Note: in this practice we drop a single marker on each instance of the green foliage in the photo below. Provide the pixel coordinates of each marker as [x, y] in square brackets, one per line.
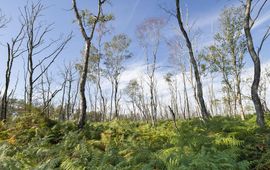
[32, 142]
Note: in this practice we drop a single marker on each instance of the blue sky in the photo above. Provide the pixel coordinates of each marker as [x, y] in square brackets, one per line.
[128, 15]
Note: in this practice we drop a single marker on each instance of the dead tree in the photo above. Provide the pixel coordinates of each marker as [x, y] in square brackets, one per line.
[65, 103]
[61, 111]
[36, 32]
[74, 98]
[70, 80]
[49, 100]
[46, 87]
[14, 50]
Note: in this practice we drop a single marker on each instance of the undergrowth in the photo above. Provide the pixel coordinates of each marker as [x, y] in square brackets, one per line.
[32, 142]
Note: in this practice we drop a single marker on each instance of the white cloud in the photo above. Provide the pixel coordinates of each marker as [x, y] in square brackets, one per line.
[137, 71]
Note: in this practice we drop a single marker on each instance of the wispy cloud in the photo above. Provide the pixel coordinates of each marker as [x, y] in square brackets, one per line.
[137, 71]
[133, 10]
[208, 20]
[261, 21]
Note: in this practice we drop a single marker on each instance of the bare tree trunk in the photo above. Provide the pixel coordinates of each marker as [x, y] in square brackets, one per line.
[50, 98]
[237, 92]
[116, 114]
[186, 98]
[48, 94]
[25, 75]
[194, 88]
[182, 104]
[75, 98]
[102, 98]
[262, 93]
[35, 35]
[61, 112]
[227, 98]
[151, 30]
[88, 39]
[101, 33]
[203, 109]
[152, 104]
[92, 106]
[96, 99]
[176, 105]
[4, 103]
[43, 91]
[111, 106]
[70, 80]
[212, 98]
[83, 104]
[174, 117]
[30, 81]
[14, 50]
[239, 97]
[257, 67]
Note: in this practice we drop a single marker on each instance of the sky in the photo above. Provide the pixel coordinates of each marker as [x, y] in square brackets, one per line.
[128, 15]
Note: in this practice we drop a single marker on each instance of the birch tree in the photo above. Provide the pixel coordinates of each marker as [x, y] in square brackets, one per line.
[87, 23]
[255, 55]
[205, 114]
[149, 36]
[116, 53]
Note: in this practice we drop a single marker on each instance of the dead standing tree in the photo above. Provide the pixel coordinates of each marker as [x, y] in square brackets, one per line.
[36, 31]
[68, 75]
[87, 21]
[70, 80]
[3, 23]
[14, 50]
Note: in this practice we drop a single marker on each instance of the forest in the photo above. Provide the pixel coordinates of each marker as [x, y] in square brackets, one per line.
[155, 85]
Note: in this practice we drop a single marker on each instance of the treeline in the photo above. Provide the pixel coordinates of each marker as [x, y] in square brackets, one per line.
[82, 95]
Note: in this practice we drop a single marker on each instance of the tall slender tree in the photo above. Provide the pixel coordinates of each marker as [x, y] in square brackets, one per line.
[102, 30]
[179, 60]
[36, 31]
[255, 55]
[149, 35]
[87, 21]
[14, 50]
[116, 53]
[226, 57]
[205, 114]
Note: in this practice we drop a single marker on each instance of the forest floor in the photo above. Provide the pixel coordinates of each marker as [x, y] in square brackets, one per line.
[31, 142]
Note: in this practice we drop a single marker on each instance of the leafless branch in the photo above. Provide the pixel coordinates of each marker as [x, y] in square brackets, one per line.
[258, 13]
[54, 55]
[79, 19]
[3, 20]
[265, 37]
